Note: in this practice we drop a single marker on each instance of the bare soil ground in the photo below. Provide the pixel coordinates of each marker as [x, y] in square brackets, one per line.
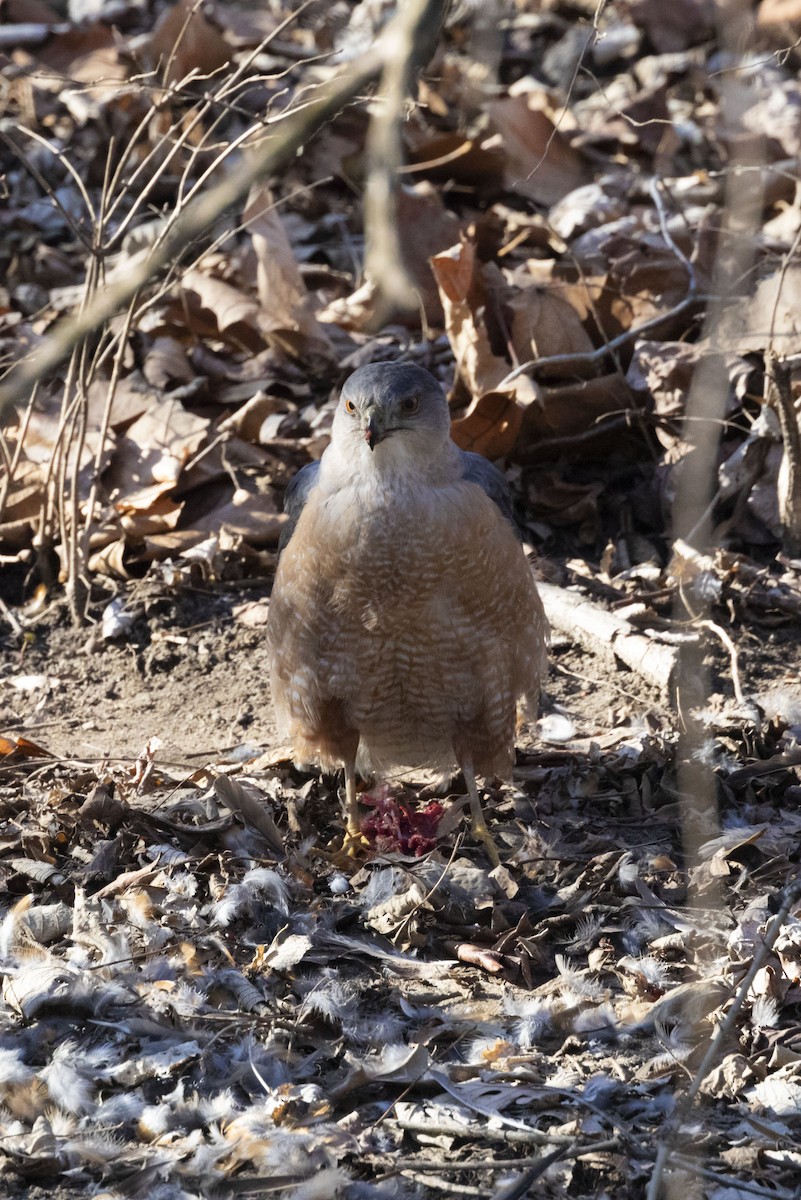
[193, 675]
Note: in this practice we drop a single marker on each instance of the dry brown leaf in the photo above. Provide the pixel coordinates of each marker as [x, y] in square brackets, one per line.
[459, 278]
[110, 559]
[586, 208]
[215, 509]
[543, 323]
[148, 511]
[778, 12]
[491, 424]
[245, 25]
[248, 420]
[641, 124]
[425, 228]
[591, 298]
[452, 157]
[729, 1078]
[231, 454]
[674, 26]
[253, 806]
[480, 304]
[24, 499]
[89, 55]
[165, 363]
[16, 535]
[132, 398]
[25, 12]
[184, 42]
[20, 748]
[538, 162]
[213, 307]
[647, 283]
[155, 449]
[284, 302]
[252, 614]
[560, 503]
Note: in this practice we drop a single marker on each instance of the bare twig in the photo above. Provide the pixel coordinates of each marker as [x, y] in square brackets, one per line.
[566, 1150]
[105, 421]
[25, 161]
[178, 136]
[720, 632]
[593, 357]
[11, 462]
[456, 1189]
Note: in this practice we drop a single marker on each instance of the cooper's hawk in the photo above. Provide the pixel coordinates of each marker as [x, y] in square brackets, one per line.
[404, 623]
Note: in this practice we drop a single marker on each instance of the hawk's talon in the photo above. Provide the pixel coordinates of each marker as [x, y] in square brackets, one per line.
[483, 834]
[354, 843]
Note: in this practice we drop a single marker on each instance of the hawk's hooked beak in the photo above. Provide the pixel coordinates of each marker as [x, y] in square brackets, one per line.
[374, 432]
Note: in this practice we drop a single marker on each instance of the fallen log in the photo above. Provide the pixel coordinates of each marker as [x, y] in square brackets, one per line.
[610, 636]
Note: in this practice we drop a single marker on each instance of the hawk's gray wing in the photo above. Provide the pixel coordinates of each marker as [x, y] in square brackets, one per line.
[295, 497]
[477, 469]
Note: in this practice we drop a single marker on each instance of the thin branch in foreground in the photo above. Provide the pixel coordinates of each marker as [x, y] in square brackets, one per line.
[414, 35]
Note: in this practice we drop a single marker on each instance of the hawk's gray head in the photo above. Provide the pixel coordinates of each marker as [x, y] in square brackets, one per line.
[391, 412]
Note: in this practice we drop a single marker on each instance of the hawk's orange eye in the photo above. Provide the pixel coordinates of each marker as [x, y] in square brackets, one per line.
[409, 404]
[350, 407]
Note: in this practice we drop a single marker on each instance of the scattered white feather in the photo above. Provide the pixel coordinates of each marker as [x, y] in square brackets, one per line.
[157, 1119]
[341, 1003]
[652, 969]
[69, 1088]
[220, 1107]
[122, 1108]
[12, 925]
[601, 1090]
[579, 985]
[159, 968]
[382, 886]
[330, 998]
[182, 885]
[323, 1185]
[588, 927]
[598, 1019]
[644, 929]
[95, 1149]
[766, 1012]
[534, 1024]
[389, 1189]
[12, 1068]
[376, 1029]
[257, 884]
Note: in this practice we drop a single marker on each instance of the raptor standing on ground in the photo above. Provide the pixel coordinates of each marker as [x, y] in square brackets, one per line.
[404, 623]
